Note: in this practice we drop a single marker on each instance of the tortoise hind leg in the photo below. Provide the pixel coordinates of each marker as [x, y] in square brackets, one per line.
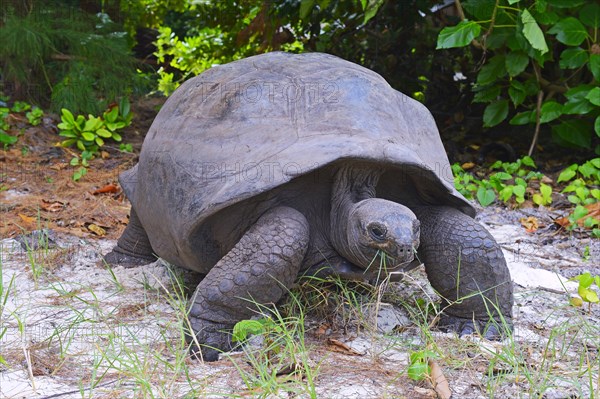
[467, 268]
[257, 270]
[133, 247]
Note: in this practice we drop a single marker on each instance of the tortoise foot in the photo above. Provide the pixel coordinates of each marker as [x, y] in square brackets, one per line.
[116, 257]
[210, 339]
[491, 329]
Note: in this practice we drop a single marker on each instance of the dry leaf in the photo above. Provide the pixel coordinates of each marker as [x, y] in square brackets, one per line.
[104, 154]
[593, 211]
[467, 165]
[546, 180]
[425, 392]
[51, 206]
[99, 231]
[109, 188]
[338, 346]
[530, 223]
[27, 219]
[440, 383]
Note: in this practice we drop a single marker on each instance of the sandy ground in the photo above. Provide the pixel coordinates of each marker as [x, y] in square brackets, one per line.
[72, 328]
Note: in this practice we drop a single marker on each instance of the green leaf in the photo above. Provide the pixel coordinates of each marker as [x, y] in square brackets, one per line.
[502, 176]
[588, 295]
[597, 126]
[550, 111]
[112, 115]
[87, 136]
[579, 212]
[519, 191]
[67, 116]
[99, 141]
[578, 103]
[506, 193]
[124, 107]
[569, 31]
[594, 96]
[246, 327]
[7, 139]
[590, 15]
[574, 132]
[74, 161]
[372, 8]
[485, 196]
[516, 62]
[116, 136]
[533, 33]
[306, 7]
[418, 371]
[573, 58]
[517, 96]
[68, 133]
[522, 118]
[103, 133]
[594, 65]
[528, 161]
[486, 94]
[458, 36]
[492, 71]
[68, 143]
[92, 124]
[566, 175]
[495, 113]
[546, 190]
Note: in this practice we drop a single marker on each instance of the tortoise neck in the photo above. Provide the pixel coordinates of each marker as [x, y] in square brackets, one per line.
[351, 185]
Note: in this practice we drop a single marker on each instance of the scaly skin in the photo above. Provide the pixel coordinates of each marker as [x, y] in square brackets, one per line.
[133, 247]
[462, 258]
[261, 266]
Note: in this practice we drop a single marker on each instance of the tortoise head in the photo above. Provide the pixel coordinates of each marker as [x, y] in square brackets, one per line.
[377, 225]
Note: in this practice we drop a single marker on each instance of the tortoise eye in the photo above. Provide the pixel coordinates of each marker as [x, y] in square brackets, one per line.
[377, 232]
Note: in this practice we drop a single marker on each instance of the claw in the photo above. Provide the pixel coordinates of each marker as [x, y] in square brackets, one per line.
[213, 339]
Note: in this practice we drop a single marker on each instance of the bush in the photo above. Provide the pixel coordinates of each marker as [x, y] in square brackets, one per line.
[82, 59]
[541, 64]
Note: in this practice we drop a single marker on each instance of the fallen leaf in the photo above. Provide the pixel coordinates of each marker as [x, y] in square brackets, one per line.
[99, 231]
[109, 188]
[52, 206]
[439, 381]
[546, 180]
[593, 211]
[425, 392]
[467, 165]
[530, 223]
[104, 154]
[27, 219]
[338, 346]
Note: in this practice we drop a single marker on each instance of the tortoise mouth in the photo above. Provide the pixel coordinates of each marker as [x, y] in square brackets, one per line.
[384, 262]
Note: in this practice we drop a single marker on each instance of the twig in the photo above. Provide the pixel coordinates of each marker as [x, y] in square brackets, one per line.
[538, 111]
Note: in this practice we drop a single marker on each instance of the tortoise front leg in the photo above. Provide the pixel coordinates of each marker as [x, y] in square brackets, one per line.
[133, 247]
[467, 268]
[259, 268]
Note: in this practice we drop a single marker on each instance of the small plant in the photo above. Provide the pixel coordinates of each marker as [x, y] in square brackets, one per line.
[582, 178]
[88, 135]
[34, 117]
[509, 183]
[583, 191]
[419, 369]
[586, 294]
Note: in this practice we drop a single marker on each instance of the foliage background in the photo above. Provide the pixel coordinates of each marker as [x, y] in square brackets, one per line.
[508, 71]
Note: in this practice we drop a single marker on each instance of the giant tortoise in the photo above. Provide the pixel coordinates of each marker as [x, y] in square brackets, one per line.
[282, 164]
